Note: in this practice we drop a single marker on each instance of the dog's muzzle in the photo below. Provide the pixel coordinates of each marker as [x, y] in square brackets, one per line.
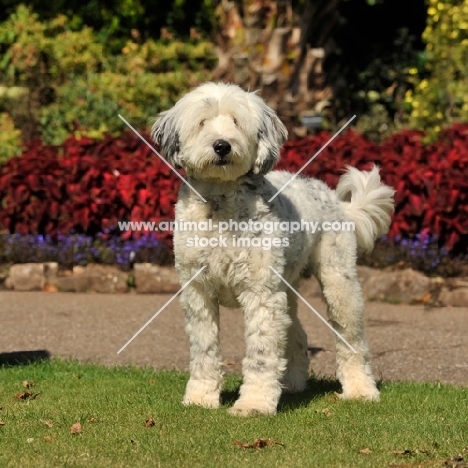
[222, 148]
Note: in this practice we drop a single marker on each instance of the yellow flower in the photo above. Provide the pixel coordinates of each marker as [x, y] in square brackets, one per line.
[424, 84]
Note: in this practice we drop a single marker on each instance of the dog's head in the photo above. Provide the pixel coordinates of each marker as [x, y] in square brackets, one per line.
[219, 131]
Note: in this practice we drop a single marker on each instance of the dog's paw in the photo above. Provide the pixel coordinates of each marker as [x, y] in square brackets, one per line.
[370, 394]
[202, 399]
[204, 393]
[254, 408]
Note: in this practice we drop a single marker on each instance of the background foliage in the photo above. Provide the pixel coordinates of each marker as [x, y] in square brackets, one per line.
[67, 69]
[69, 83]
[441, 94]
[113, 20]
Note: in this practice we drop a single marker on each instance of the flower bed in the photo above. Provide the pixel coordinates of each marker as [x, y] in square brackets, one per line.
[87, 186]
[430, 180]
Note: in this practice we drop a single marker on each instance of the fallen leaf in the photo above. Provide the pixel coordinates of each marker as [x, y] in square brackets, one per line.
[1, 423]
[410, 452]
[257, 443]
[50, 288]
[49, 438]
[30, 440]
[150, 422]
[28, 383]
[325, 412]
[91, 420]
[152, 381]
[27, 396]
[47, 423]
[365, 451]
[332, 399]
[76, 428]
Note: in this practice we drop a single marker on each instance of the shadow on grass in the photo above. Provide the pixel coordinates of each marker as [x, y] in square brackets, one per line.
[19, 358]
[316, 388]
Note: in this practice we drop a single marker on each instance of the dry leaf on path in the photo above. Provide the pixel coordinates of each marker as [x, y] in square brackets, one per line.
[366, 451]
[76, 428]
[257, 443]
[150, 422]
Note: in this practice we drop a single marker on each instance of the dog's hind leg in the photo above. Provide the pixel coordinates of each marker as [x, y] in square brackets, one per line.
[266, 328]
[297, 370]
[202, 325]
[342, 293]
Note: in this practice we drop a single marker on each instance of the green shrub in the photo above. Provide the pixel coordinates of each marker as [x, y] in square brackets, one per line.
[89, 105]
[76, 86]
[10, 138]
[376, 124]
[441, 96]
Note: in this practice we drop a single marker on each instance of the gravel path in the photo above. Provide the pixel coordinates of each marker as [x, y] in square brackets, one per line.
[406, 342]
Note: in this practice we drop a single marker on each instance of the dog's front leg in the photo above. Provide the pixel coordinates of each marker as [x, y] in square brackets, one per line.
[202, 325]
[266, 328]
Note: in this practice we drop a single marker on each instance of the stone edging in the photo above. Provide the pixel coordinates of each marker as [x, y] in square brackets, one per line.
[398, 286]
[146, 277]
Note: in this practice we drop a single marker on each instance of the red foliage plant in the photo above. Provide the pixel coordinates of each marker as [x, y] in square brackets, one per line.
[430, 180]
[88, 186]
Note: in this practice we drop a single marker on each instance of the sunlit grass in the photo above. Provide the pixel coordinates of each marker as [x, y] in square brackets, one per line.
[424, 422]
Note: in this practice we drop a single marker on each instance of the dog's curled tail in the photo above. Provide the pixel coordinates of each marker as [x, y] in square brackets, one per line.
[368, 203]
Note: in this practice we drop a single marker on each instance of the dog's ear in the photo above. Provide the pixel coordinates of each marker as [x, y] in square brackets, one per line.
[271, 136]
[165, 133]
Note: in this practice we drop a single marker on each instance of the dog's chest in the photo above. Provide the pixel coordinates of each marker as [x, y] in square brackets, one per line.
[214, 232]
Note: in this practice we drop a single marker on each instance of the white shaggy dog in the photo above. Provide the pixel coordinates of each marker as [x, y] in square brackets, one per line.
[228, 140]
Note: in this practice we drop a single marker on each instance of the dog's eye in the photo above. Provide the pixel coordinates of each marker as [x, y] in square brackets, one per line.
[202, 122]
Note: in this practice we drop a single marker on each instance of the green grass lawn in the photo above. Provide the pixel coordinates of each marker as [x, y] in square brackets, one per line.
[412, 425]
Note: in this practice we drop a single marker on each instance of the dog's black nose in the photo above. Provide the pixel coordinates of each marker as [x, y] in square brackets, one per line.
[221, 147]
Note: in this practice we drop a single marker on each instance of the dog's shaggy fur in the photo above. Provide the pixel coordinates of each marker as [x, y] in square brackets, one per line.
[228, 140]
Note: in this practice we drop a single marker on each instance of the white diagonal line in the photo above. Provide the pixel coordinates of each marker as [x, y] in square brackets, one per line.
[161, 309]
[316, 313]
[312, 158]
[162, 159]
